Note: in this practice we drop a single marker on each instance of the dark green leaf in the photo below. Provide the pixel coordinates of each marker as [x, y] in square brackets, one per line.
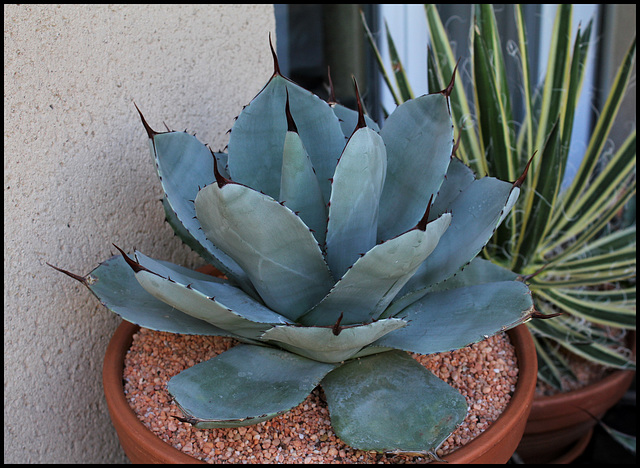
[272, 244]
[245, 385]
[454, 318]
[389, 402]
[114, 283]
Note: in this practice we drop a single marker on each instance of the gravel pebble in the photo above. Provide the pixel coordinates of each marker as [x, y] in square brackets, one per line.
[485, 374]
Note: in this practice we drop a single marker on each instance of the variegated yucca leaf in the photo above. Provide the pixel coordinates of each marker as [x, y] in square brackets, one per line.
[559, 239]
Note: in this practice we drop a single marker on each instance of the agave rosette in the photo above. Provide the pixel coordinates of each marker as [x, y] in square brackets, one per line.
[343, 247]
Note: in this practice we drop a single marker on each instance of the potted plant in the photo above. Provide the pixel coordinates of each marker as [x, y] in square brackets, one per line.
[562, 241]
[342, 246]
[142, 445]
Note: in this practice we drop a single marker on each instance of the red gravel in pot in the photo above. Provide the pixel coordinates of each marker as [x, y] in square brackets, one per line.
[485, 374]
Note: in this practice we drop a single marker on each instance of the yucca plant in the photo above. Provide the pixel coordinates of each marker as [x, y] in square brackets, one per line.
[560, 240]
[340, 242]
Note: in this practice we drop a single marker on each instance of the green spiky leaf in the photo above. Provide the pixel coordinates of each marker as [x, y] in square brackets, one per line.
[270, 242]
[299, 187]
[389, 402]
[419, 139]
[114, 283]
[205, 297]
[256, 141]
[245, 385]
[454, 318]
[331, 344]
[368, 287]
[355, 195]
[349, 119]
[181, 157]
[476, 212]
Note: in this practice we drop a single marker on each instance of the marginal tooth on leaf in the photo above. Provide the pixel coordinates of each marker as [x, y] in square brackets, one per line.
[291, 125]
[526, 278]
[422, 224]
[361, 122]
[456, 146]
[82, 279]
[220, 179]
[191, 420]
[149, 130]
[276, 66]
[448, 90]
[135, 266]
[539, 315]
[520, 179]
[336, 328]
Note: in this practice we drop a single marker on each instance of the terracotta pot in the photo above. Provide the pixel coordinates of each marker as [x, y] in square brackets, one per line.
[495, 445]
[558, 429]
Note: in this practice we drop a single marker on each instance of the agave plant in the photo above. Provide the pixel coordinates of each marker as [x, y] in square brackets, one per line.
[559, 239]
[340, 242]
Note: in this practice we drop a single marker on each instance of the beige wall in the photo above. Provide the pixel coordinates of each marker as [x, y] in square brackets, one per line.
[78, 177]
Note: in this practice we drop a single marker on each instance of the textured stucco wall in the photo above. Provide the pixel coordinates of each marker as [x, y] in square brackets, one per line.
[78, 177]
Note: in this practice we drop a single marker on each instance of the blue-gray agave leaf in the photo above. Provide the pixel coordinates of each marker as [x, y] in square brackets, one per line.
[270, 242]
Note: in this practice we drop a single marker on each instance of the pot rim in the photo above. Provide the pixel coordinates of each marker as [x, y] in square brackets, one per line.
[124, 416]
[511, 420]
[610, 380]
